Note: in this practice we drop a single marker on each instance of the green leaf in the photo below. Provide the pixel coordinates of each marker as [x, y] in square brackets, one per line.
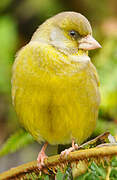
[113, 174]
[92, 176]
[98, 170]
[59, 175]
[88, 176]
[18, 140]
[46, 177]
[114, 161]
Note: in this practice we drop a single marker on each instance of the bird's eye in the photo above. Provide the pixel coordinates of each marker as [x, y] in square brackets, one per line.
[73, 34]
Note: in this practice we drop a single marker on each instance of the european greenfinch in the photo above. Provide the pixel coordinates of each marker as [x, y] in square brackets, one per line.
[55, 87]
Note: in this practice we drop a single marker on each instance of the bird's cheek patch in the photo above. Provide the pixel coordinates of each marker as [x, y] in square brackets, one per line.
[57, 38]
[57, 35]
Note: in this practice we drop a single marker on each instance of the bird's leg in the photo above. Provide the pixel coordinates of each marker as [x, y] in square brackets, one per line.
[42, 156]
[67, 151]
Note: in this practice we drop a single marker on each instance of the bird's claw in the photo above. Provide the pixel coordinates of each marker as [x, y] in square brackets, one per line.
[41, 157]
[66, 152]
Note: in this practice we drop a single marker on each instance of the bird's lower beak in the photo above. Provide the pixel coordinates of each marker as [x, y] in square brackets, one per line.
[88, 43]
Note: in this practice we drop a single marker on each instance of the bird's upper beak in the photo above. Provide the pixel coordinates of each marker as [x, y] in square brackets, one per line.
[88, 43]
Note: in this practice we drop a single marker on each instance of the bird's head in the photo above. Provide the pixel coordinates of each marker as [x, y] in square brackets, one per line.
[69, 32]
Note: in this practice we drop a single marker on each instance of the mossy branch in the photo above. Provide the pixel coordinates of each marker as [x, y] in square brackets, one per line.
[56, 161]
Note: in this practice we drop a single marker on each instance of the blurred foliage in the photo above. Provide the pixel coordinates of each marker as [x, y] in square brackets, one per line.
[4, 4]
[106, 62]
[18, 21]
[16, 141]
[9, 40]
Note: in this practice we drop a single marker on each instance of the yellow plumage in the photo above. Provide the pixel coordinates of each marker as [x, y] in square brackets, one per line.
[56, 96]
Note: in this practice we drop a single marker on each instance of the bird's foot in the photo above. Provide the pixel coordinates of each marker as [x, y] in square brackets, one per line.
[41, 157]
[66, 152]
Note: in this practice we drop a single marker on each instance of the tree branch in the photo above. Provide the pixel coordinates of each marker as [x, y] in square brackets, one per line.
[54, 161]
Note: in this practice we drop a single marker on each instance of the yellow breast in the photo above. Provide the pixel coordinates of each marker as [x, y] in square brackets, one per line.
[55, 99]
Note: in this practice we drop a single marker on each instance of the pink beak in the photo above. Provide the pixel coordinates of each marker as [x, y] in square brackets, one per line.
[88, 43]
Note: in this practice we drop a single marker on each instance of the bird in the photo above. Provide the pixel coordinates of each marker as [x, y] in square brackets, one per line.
[55, 86]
